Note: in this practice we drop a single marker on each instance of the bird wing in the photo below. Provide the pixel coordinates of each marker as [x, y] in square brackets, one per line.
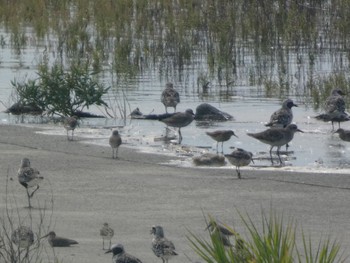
[335, 104]
[28, 174]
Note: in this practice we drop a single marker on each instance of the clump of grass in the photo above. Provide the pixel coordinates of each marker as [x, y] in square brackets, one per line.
[274, 239]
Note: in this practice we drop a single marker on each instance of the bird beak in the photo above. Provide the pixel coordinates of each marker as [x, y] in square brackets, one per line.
[295, 105]
[44, 236]
[235, 135]
[108, 251]
[253, 161]
[300, 130]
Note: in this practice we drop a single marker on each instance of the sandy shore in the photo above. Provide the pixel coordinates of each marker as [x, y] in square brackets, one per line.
[138, 191]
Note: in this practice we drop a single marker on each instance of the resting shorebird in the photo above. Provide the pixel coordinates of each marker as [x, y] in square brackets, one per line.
[70, 123]
[284, 116]
[162, 247]
[178, 120]
[222, 232]
[56, 241]
[170, 97]
[115, 141]
[334, 108]
[23, 237]
[221, 136]
[239, 158]
[106, 232]
[120, 256]
[29, 177]
[276, 137]
[343, 134]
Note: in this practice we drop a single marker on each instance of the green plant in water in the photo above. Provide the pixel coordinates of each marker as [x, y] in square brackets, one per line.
[62, 92]
[273, 241]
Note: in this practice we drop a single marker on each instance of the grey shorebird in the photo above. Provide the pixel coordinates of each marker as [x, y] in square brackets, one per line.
[221, 232]
[343, 134]
[221, 136]
[120, 256]
[29, 177]
[115, 141]
[23, 237]
[334, 108]
[284, 116]
[70, 123]
[56, 241]
[178, 120]
[161, 246]
[106, 232]
[276, 137]
[239, 158]
[170, 97]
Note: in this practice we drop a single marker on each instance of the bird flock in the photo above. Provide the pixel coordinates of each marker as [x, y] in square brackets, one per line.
[281, 131]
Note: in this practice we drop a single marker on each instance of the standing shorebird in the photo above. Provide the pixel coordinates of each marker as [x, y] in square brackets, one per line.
[161, 246]
[276, 137]
[223, 233]
[221, 136]
[170, 97]
[178, 120]
[239, 158]
[70, 123]
[29, 177]
[334, 108]
[106, 232]
[284, 116]
[343, 134]
[120, 256]
[115, 141]
[56, 241]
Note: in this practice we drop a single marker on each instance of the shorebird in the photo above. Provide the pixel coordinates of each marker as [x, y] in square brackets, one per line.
[29, 177]
[178, 120]
[161, 246]
[343, 134]
[221, 231]
[170, 97]
[120, 256]
[334, 108]
[56, 241]
[221, 136]
[70, 123]
[239, 158]
[23, 237]
[106, 232]
[276, 137]
[284, 116]
[115, 141]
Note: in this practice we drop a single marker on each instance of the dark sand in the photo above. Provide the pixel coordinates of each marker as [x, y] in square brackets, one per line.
[136, 191]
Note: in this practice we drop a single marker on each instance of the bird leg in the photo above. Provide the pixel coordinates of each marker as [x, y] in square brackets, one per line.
[180, 136]
[271, 154]
[238, 172]
[31, 195]
[28, 196]
[222, 147]
[278, 154]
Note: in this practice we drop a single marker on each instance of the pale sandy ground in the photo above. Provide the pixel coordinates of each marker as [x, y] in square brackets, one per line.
[136, 191]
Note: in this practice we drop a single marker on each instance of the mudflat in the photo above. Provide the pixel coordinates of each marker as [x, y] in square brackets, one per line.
[84, 187]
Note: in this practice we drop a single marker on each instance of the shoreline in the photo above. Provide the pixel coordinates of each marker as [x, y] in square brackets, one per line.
[138, 190]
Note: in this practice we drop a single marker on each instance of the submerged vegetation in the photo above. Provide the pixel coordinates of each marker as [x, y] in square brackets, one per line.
[273, 44]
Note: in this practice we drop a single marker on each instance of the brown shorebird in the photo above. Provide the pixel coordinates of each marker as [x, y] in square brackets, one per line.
[284, 116]
[106, 232]
[178, 120]
[70, 123]
[276, 137]
[221, 136]
[161, 246]
[239, 158]
[115, 141]
[120, 256]
[170, 97]
[29, 177]
[343, 134]
[334, 108]
[221, 231]
[56, 241]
